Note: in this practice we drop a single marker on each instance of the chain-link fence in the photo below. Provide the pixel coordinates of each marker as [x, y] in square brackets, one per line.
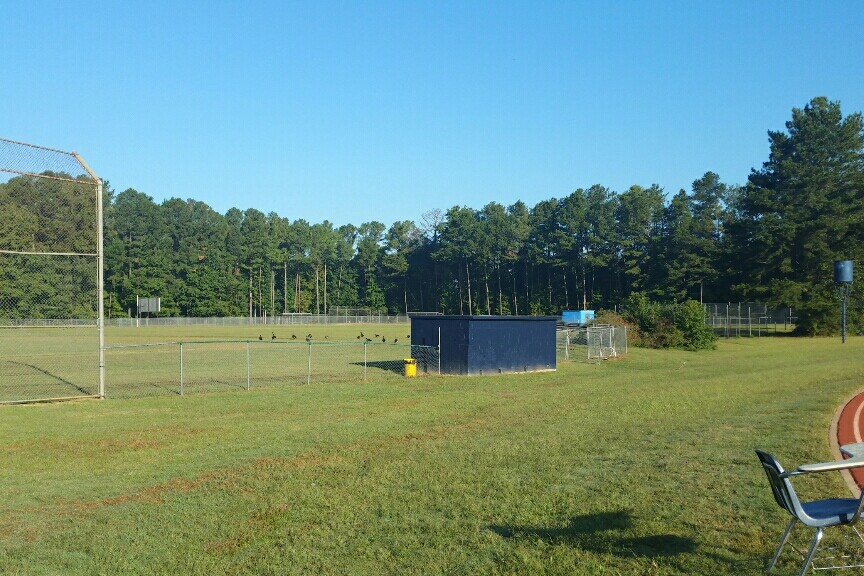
[749, 319]
[50, 275]
[281, 320]
[591, 343]
[219, 365]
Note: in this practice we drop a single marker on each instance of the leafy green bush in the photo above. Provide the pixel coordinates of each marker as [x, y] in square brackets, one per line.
[671, 325]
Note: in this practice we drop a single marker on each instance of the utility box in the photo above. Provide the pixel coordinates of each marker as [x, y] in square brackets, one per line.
[577, 316]
[477, 345]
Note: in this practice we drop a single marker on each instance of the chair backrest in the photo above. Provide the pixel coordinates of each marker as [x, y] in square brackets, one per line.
[784, 494]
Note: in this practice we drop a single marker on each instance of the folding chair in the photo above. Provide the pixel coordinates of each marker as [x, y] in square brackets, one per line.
[818, 514]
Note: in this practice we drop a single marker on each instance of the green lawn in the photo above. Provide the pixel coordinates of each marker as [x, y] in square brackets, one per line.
[637, 466]
[38, 363]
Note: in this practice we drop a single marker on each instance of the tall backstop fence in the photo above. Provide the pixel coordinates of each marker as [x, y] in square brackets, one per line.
[50, 268]
[734, 319]
[182, 368]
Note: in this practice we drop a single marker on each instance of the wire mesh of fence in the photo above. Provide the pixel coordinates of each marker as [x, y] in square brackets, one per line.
[182, 368]
[280, 320]
[48, 363]
[748, 319]
[591, 343]
[50, 275]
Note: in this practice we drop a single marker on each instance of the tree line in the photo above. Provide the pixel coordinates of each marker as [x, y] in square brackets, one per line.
[773, 239]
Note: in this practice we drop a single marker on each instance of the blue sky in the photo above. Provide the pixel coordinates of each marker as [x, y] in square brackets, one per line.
[359, 111]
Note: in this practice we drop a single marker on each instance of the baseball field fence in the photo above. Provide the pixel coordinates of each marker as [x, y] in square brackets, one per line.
[51, 328]
[182, 368]
[737, 319]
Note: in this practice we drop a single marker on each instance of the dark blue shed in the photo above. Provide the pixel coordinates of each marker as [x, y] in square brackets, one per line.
[488, 344]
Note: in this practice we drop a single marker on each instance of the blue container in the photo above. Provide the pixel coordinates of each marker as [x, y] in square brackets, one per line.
[843, 271]
[477, 345]
[577, 316]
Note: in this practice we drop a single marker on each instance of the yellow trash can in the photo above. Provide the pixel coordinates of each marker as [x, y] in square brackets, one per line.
[410, 367]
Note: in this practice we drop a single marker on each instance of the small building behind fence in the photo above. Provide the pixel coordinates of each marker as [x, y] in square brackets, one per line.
[476, 345]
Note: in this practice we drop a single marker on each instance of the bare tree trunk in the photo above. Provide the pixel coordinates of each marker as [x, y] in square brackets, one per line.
[566, 291]
[459, 283]
[500, 298]
[515, 298]
[468, 280]
[317, 293]
[486, 284]
[584, 288]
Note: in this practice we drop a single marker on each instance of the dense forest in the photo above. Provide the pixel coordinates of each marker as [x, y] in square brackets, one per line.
[772, 239]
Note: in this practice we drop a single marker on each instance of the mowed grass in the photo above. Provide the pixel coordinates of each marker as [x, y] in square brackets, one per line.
[40, 363]
[637, 466]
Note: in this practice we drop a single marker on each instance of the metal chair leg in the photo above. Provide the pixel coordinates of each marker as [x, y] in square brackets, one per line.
[816, 539]
[780, 546]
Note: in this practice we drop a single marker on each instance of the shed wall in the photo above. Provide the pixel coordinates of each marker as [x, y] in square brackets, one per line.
[489, 344]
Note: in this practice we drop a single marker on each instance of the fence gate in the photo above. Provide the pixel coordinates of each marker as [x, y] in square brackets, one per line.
[51, 327]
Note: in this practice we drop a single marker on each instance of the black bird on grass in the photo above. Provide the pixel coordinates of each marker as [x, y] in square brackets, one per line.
[383, 339]
[368, 339]
[326, 337]
[293, 336]
[259, 337]
[395, 340]
[273, 337]
[362, 335]
[377, 335]
[358, 337]
[308, 337]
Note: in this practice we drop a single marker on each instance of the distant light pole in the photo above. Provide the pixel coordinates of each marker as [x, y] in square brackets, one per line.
[843, 286]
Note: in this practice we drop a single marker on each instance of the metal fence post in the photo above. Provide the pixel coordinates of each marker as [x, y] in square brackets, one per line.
[309, 367]
[248, 366]
[181, 368]
[365, 346]
[567, 345]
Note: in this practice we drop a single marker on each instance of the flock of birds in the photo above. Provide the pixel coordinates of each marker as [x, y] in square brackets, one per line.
[361, 336]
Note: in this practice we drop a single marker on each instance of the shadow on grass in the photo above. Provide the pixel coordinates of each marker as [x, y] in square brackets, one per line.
[596, 533]
[383, 365]
[54, 376]
[394, 366]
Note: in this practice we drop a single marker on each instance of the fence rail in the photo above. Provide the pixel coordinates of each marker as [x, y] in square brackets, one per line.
[190, 367]
[40, 362]
[179, 321]
[282, 320]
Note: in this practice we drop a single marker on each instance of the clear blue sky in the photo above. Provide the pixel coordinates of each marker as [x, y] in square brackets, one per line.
[358, 111]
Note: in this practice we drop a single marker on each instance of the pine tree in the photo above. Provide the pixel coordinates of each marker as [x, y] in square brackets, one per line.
[802, 211]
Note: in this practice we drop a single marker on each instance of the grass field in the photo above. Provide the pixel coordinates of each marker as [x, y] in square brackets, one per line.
[37, 363]
[636, 466]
